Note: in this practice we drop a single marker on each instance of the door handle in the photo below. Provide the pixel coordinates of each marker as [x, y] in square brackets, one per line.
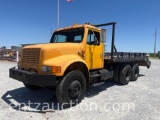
[100, 56]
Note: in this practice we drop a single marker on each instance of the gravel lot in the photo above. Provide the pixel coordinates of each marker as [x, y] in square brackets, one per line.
[136, 101]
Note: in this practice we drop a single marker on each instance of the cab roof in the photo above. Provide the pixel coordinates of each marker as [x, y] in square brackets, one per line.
[79, 26]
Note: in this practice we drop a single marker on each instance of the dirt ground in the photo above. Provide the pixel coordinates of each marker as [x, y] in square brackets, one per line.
[136, 101]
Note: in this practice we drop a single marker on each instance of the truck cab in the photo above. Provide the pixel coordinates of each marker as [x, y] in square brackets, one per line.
[75, 44]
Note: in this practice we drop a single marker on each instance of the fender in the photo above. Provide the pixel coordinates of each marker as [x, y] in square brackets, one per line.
[63, 61]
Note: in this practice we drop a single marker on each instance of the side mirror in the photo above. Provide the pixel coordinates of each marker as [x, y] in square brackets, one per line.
[103, 35]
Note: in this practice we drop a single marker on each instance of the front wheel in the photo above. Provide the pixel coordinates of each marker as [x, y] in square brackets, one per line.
[72, 88]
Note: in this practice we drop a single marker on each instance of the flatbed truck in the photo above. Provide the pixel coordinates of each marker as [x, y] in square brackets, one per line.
[74, 59]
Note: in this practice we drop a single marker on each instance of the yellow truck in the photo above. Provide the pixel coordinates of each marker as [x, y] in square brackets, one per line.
[75, 59]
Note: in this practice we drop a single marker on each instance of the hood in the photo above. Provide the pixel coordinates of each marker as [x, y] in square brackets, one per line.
[51, 50]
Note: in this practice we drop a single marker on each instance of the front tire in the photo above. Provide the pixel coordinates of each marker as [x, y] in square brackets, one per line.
[71, 89]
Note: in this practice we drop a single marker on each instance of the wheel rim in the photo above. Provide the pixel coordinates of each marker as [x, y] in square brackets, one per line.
[74, 89]
[136, 73]
[128, 75]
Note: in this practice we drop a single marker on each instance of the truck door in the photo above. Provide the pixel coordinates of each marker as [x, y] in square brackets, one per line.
[94, 50]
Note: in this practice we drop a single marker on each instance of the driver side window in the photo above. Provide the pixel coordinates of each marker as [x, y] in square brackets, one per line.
[93, 38]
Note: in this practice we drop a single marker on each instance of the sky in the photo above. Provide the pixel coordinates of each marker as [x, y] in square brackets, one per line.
[31, 21]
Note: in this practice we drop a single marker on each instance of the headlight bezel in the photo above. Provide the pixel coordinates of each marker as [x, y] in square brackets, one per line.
[46, 69]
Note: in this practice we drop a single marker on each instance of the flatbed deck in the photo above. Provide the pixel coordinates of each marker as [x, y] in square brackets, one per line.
[140, 58]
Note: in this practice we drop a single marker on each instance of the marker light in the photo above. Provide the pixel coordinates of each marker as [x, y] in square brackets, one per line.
[56, 69]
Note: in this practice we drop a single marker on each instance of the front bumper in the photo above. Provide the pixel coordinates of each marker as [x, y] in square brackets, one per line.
[31, 78]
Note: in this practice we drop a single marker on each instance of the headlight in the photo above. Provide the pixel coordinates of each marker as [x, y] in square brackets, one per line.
[53, 69]
[46, 68]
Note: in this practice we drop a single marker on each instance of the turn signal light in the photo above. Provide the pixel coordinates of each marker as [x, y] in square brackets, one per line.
[56, 69]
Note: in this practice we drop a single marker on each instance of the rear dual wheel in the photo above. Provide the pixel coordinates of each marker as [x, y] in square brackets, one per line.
[125, 73]
[134, 72]
[116, 73]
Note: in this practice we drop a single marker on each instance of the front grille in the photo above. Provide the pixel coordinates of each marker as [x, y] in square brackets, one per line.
[30, 58]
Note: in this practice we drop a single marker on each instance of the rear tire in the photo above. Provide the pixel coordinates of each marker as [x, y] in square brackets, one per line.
[125, 74]
[32, 87]
[71, 89]
[116, 73]
[134, 72]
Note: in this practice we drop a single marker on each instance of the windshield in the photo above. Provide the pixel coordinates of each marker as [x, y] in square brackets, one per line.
[74, 35]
